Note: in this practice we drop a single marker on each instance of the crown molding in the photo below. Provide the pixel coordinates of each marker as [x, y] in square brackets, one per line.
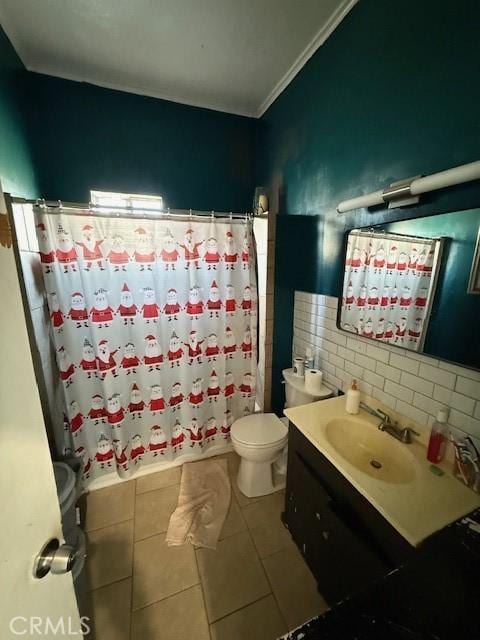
[23, 54]
[159, 95]
[319, 38]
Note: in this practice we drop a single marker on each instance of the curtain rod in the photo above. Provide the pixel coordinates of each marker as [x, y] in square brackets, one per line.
[90, 209]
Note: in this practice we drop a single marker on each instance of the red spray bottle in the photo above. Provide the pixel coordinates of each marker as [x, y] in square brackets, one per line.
[438, 438]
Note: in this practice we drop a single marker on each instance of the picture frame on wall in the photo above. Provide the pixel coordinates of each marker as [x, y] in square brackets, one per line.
[474, 280]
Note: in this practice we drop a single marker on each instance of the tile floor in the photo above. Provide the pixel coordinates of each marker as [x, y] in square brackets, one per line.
[255, 586]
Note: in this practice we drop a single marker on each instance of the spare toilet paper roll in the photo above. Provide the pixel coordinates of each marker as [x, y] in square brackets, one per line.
[299, 367]
[313, 381]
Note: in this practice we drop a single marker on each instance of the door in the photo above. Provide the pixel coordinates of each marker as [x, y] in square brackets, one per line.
[29, 607]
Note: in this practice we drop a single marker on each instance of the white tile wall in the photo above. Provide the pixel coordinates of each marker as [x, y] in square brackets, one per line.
[412, 384]
[265, 308]
[50, 387]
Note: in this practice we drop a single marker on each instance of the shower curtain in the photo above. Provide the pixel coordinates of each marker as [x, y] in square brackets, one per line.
[154, 324]
[388, 287]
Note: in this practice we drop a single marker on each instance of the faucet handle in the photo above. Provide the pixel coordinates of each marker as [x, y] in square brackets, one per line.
[385, 417]
[406, 434]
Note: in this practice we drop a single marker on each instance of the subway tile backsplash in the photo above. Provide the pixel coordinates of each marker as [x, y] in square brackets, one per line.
[410, 383]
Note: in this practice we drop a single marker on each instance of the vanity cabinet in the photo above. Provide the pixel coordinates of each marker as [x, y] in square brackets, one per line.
[344, 540]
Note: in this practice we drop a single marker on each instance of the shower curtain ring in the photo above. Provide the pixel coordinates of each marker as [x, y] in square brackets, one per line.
[231, 216]
[212, 215]
[190, 215]
[60, 205]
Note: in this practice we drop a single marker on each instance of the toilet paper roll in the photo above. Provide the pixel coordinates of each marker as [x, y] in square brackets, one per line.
[313, 381]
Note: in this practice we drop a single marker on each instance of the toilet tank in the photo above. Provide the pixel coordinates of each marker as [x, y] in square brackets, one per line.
[295, 393]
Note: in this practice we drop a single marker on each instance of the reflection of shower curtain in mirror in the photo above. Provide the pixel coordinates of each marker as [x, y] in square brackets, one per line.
[154, 324]
[388, 287]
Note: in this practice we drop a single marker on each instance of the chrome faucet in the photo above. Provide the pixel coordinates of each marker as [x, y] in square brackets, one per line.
[404, 434]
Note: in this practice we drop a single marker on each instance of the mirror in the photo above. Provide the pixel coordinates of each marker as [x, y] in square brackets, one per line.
[406, 283]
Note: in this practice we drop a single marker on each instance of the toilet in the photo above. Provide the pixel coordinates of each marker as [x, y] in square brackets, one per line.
[295, 393]
[258, 439]
[261, 438]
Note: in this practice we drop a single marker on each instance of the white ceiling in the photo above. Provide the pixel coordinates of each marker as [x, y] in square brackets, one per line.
[230, 55]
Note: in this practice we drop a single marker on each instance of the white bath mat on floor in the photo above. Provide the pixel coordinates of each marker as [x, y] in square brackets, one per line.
[203, 504]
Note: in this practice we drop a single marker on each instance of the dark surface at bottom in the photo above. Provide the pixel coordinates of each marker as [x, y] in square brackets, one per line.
[434, 596]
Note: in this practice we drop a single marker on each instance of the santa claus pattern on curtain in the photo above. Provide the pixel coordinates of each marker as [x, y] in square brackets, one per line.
[154, 323]
[389, 286]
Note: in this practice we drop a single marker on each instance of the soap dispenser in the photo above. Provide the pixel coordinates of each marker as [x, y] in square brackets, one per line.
[309, 358]
[438, 438]
[352, 404]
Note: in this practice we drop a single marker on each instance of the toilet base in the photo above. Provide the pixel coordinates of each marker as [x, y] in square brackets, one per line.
[256, 479]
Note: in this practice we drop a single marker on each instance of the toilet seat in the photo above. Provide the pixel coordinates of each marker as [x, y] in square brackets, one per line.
[259, 430]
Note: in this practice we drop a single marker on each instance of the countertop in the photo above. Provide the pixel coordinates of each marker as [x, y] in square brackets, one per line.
[417, 508]
[434, 595]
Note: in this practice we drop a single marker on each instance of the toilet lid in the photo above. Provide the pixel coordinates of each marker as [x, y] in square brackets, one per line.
[259, 429]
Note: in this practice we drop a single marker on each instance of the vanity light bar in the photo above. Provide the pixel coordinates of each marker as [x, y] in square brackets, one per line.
[404, 192]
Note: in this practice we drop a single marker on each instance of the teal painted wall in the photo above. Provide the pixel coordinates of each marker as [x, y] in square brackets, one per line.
[394, 92]
[16, 168]
[86, 137]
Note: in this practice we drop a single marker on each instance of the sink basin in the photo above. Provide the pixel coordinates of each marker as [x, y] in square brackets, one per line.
[370, 450]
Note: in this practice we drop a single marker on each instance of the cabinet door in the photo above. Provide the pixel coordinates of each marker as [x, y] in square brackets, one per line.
[338, 557]
[365, 520]
[304, 497]
[341, 562]
[295, 514]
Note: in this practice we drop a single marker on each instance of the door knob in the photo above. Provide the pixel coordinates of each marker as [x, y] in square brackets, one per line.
[54, 557]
